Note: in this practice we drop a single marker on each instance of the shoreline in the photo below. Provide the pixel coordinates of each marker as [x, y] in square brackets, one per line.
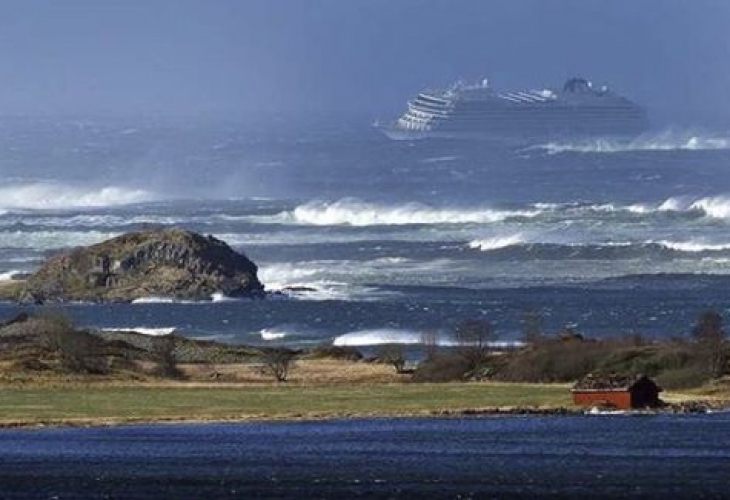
[295, 417]
[100, 406]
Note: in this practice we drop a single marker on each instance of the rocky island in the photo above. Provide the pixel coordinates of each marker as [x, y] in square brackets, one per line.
[171, 263]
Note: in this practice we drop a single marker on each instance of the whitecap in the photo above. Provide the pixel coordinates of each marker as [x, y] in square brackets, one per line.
[145, 330]
[670, 140]
[50, 195]
[496, 242]
[270, 334]
[163, 300]
[380, 336]
[693, 246]
[717, 207]
[10, 275]
[354, 212]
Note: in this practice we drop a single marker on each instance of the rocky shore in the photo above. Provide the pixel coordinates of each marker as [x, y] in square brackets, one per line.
[171, 263]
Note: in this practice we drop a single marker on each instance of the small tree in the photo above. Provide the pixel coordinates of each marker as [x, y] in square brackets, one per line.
[163, 352]
[473, 337]
[711, 341]
[394, 355]
[276, 362]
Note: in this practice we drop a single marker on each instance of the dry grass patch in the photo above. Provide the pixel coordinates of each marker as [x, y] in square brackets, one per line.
[303, 372]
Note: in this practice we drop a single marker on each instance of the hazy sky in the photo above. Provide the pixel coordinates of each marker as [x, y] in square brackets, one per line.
[292, 57]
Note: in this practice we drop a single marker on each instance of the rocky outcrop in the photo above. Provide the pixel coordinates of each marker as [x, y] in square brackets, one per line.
[162, 263]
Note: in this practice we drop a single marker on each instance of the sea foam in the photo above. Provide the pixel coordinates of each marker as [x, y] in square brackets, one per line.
[664, 141]
[9, 275]
[359, 213]
[380, 336]
[54, 196]
[145, 330]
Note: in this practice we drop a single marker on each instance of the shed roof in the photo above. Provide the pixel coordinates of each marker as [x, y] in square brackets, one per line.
[613, 382]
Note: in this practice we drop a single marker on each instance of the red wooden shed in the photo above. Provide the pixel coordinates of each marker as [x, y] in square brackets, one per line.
[622, 392]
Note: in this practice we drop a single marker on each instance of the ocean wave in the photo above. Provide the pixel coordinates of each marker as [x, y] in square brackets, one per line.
[53, 196]
[353, 212]
[10, 275]
[381, 336]
[272, 334]
[712, 206]
[693, 246]
[543, 246]
[496, 242]
[666, 141]
[440, 159]
[145, 330]
[51, 240]
[164, 300]
[278, 276]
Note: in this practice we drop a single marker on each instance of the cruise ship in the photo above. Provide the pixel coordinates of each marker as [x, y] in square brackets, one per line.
[578, 110]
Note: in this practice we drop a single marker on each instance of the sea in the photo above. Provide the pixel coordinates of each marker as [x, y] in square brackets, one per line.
[362, 240]
[660, 456]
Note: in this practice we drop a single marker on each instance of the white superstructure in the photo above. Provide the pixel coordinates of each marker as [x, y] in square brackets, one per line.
[478, 111]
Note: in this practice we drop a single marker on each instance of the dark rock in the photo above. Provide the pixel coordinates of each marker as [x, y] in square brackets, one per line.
[164, 263]
[298, 289]
[21, 317]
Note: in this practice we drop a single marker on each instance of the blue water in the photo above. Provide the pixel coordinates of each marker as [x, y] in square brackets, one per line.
[388, 238]
[579, 457]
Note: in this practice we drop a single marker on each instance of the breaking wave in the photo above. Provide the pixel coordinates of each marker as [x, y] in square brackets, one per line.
[145, 330]
[380, 336]
[667, 141]
[314, 280]
[541, 246]
[10, 275]
[52, 196]
[358, 213]
[271, 334]
[162, 300]
[496, 242]
[694, 246]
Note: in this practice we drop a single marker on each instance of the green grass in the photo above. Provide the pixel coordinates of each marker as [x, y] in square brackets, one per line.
[99, 404]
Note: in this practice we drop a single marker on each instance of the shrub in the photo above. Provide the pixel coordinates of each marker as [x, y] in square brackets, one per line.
[276, 362]
[394, 355]
[443, 367]
[78, 351]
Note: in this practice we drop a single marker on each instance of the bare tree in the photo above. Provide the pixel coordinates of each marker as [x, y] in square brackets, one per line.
[532, 326]
[163, 352]
[277, 362]
[711, 341]
[76, 350]
[394, 355]
[429, 341]
[473, 337]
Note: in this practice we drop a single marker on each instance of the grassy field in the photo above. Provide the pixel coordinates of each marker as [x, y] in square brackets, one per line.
[118, 404]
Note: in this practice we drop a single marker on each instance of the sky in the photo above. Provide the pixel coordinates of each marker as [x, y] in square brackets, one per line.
[300, 58]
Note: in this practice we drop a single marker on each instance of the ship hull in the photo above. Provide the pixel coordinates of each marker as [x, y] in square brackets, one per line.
[533, 137]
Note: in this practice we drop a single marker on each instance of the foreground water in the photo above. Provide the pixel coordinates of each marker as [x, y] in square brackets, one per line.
[609, 456]
[383, 240]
